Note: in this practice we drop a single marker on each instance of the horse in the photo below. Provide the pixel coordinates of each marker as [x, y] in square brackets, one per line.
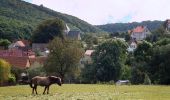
[44, 81]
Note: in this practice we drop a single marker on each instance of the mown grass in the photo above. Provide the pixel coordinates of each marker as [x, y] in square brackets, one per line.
[88, 92]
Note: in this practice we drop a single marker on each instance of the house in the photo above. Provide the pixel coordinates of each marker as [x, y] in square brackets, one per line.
[87, 57]
[18, 62]
[39, 47]
[139, 33]
[132, 46]
[16, 45]
[74, 35]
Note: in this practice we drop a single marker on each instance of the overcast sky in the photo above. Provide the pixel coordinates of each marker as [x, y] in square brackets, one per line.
[110, 11]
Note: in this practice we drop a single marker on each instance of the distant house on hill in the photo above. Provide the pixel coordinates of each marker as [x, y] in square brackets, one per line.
[74, 35]
[139, 33]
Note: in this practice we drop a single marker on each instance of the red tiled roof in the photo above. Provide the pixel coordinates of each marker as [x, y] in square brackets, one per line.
[16, 53]
[40, 60]
[139, 29]
[20, 62]
[89, 52]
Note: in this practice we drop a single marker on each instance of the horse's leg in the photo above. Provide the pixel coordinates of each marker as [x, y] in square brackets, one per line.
[45, 89]
[32, 90]
[48, 89]
[36, 89]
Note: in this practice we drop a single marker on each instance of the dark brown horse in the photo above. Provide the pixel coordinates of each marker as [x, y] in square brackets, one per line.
[44, 81]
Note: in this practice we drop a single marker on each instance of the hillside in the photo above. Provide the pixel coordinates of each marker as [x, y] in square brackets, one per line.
[18, 19]
[123, 27]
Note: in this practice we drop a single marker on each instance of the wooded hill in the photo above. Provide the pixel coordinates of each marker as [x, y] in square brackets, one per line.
[18, 19]
[123, 27]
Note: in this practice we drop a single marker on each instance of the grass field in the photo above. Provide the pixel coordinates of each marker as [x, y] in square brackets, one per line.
[87, 92]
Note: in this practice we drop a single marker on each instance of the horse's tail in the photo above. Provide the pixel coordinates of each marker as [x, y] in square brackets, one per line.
[31, 84]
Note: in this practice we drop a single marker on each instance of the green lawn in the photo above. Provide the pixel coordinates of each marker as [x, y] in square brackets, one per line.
[88, 92]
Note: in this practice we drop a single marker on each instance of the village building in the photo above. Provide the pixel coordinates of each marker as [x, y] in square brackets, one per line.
[87, 57]
[132, 47]
[139, 33]
[74, 35]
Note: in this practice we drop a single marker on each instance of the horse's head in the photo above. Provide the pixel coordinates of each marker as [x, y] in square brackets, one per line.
[54, 79]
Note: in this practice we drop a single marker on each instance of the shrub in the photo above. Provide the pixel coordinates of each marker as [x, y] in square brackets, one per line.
[147, 80]
[4, 71]
[11, 79]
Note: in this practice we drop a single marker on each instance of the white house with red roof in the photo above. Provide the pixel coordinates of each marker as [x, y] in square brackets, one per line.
[139, 33]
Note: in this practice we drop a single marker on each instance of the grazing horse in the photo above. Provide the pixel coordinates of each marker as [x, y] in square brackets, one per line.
[44, 81]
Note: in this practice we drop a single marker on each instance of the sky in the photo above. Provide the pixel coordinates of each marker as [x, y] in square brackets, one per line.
[99, 12]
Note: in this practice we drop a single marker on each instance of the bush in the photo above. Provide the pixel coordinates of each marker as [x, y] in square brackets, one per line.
[5, 69]
[11, 79]
[36, 70]
[147, 80]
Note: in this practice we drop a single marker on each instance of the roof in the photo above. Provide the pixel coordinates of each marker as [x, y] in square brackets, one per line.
[89, 52]
[20, 43]
[74, 34]
[139, 29]
[16, 53]
[20, 62]
[40, 60]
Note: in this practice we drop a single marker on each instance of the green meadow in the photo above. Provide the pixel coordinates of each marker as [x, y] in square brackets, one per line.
[88, 92]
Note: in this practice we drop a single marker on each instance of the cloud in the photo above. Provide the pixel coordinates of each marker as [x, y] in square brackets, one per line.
[111, 11]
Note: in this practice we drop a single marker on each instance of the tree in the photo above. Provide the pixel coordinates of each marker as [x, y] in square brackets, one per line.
[147, 80]
[109, 58]
[47, 30]
[159, 69]
[5, 71]
[64, 56]
[142, 57]
[5, 43]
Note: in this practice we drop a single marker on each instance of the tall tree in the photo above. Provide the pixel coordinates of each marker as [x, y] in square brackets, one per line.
[159, 68]
[109, 58]
[64, 56]
[140, 64]
[47, 30]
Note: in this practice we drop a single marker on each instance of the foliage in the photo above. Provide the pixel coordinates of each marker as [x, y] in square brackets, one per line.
[159, 69]
[36, 70]
[147, 80]
[64, 56]
[123, 27]
[5, 70]
[109, 58]
[142, 57]
[17, 72]
[18, 19]
[12, 79]
[90, 40]
[88, 74]
[5, 43]
[47, 30]
[125, 73]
